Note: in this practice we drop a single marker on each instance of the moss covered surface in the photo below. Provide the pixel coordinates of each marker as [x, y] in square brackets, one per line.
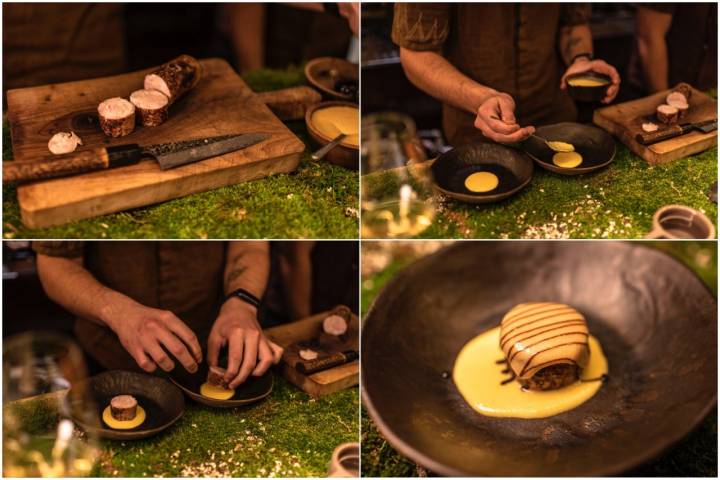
[615, 202]
[696, 455]
[311, 202]
[289, 434]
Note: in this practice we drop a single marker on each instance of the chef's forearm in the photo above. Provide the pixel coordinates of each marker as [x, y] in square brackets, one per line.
[651, 28]
[69, 284]
[247, 267]
[433, 74]
[575, 40]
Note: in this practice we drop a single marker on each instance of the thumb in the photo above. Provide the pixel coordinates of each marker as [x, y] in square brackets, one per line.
[506, 107]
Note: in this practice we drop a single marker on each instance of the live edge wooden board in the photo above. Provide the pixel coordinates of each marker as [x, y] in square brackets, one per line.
[220, 104]
[324, 382]
[625, 120]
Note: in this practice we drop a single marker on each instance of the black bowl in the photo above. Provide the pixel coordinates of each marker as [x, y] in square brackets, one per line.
[656, 320]
[589, 94]
[163, 402]
[512, 167]
[596, 146]
[252, 390]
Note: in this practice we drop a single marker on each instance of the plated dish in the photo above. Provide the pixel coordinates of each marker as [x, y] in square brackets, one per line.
[654, 320]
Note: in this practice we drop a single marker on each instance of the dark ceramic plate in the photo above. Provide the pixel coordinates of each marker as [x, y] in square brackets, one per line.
[656, 320]
[589, 94]
[254, 389]
[512, 167]
[596, 146]
[162, 401]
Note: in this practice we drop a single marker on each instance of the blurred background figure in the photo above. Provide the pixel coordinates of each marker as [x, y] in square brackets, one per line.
[51, 43]
[677, 42]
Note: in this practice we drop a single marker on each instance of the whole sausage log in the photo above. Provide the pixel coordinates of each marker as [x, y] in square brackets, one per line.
[175, 78]
[151, 107]
[117, 117]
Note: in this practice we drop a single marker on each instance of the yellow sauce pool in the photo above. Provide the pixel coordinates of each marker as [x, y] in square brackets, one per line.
[481, 182]
[587, 82]
[218, 393]
[332, 121]
[112, 422]
[567, 159]
[479, 379]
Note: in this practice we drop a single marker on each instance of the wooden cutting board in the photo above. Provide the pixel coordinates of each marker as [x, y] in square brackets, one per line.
[327, 381]
[625, 120]
[220, 104]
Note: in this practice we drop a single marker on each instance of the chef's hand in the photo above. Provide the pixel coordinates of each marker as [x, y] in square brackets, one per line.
[351, 12]
[249, 351]
[584, 64]
[145, 331]
[496, 120]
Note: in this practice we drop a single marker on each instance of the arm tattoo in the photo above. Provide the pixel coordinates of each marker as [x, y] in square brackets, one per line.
[236, 272]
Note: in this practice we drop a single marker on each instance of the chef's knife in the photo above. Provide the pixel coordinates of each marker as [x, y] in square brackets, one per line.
[168, 155]
[648, 138]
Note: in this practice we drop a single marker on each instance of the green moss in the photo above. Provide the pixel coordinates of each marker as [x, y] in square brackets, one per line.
[696, 455]
[287, 435]
[616, 202]
[311, 202]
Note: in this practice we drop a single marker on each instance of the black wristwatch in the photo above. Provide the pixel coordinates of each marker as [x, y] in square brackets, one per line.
[245, 296]
[588, 55]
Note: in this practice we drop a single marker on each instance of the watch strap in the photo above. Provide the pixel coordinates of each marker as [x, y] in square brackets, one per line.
[245, 296]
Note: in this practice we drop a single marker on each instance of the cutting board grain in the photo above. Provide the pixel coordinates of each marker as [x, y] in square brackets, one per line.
[625, 120]
[327, 381]
[220, 104]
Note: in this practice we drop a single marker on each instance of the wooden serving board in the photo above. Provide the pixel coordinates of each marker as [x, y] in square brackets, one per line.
[220, 104]
[327, 381]
[625, 120]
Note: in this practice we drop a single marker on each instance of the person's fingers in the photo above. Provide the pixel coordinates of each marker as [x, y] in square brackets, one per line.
[215, 343]
[153, 348]
[500, 126]
[142, 359]
[265, 358]
[249, 361]
[506, 107]
[611, 93]
[178, 350]
[184, 332]
[516, 136]
[277, 351]
[235, 354]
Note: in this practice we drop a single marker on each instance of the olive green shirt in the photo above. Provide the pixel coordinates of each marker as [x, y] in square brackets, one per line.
[512, 48]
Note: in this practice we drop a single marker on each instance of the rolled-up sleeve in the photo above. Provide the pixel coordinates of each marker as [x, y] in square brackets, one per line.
[59, 249]
[421, 26]
[575, 14]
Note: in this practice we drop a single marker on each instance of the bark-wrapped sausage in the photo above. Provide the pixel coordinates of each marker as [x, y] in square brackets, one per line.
[216, 377]
[117, 117]
[175, 78]
[123, 407]
[151, 107]
[667, 114]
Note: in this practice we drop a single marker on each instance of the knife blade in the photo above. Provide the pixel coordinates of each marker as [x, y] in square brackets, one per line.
[648, 138]
[168, 155]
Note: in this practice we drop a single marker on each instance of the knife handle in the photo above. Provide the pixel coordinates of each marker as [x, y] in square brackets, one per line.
[17, 171]
[647, 138]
